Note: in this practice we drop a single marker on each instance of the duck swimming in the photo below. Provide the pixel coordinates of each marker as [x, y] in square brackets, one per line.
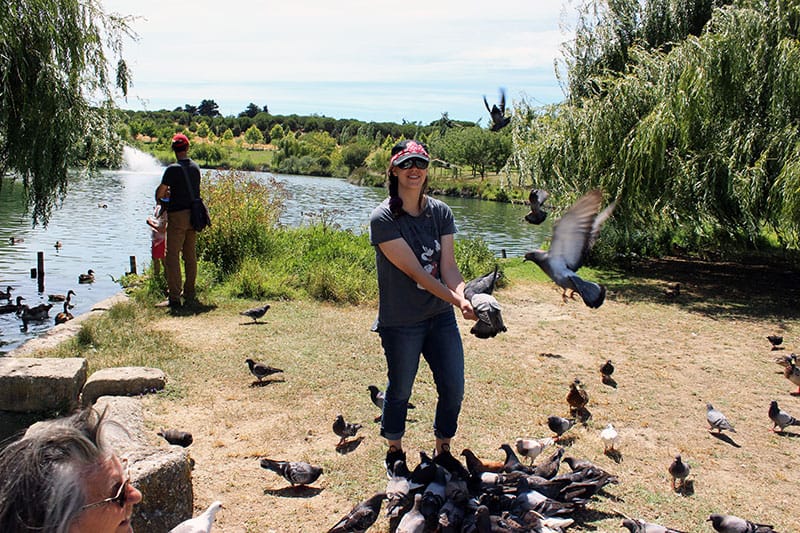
[6, 295]
[39, 312]
[15, 240]
[60, 297]
[65, 315]
[12, 308]
[86, 278]
[58, 245]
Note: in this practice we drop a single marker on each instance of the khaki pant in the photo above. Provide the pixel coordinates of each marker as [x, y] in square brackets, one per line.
[181, 239]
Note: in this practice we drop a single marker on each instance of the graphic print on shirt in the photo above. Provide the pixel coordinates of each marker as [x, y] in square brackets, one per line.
[430, 265]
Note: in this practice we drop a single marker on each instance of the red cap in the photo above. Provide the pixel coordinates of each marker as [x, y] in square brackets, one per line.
[180, 142]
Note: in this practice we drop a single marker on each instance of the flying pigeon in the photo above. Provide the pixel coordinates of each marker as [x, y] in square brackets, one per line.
[490, 319]
[201, 523]
[792, 373]
[679, 471]
[559, 425]
[717, 420]
[345, 429]
[295, 472]
[531, 448]
[635, 525]
[361, 517]
[256, 312]
[780, 418]
[536, 199]
[260, 370]
[775, 341]
[573, 237]
[176, 437]
[610, 437]
[378, 395]
[725, 523]
[499, 118]
[482, 284]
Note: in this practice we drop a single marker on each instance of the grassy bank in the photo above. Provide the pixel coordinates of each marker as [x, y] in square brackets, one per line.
[672, 355]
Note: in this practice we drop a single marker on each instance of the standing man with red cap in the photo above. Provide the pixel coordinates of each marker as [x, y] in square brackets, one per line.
[181, 237]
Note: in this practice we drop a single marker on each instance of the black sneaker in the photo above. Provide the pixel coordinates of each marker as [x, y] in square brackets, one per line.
[392, 456]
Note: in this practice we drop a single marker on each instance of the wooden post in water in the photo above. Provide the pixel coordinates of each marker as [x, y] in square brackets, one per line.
[503, 253]
[133, 264]
[40, 274]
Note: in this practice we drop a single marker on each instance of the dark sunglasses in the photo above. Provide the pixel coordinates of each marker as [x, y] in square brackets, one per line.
[413, 162]
[119, 498]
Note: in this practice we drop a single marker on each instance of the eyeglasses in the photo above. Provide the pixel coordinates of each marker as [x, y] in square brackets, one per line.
[120, 497]
[414, 161]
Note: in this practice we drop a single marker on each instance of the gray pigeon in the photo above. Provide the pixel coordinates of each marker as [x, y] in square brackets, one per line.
[717, 420]
[678, 471]
[295, 472]
[176, 437]
[780, 418]
[498, 114]
[361, 517]
[377, 396]
[635, 525]
[536, 199]
[490, 319]
[481, 285]
[725, 523]
[398, 489]
[201, 523]
[260, 370]
[412, 521]
[559, 425]
[573, 237]
[256, 312]
[344, 429]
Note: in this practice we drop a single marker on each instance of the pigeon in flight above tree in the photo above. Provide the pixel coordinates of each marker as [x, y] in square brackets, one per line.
[573, 237]
[536, 200]
[499, 118]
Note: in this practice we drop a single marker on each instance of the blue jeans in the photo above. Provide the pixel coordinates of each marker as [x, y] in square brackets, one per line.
[439, 341]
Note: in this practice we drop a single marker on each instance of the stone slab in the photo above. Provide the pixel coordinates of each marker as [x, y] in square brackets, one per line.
[122, 381]
[38, 385]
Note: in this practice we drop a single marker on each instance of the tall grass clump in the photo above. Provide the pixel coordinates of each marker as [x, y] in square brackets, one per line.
[474, 258]
[244, 211]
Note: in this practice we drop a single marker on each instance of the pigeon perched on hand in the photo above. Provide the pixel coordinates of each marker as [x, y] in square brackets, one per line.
[344, 429]
[260, 370]
[176, 437]
[717, 420]
[780, 418]
[201, 523]
[678, 471]
[536, 200]
[361, 517]
[573, 237]
[775, 341]
[559, 425]
[490, 319]
[295, 472]
[725, 523]
[499, 118]
[635, 525]
[256, 312]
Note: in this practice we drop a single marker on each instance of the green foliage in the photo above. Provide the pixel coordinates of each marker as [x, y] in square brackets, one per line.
[474, 257]
[255, 280]
[52, 55]
[475, 147]
[354, 155]
[253, 135]
[276, 133]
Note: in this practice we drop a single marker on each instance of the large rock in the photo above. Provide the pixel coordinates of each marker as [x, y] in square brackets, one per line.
[41, 385]
[122, 381]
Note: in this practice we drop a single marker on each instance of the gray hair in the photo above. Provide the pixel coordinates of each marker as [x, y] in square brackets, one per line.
[41, 486]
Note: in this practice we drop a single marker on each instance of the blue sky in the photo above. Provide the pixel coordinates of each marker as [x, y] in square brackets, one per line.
[364, 59]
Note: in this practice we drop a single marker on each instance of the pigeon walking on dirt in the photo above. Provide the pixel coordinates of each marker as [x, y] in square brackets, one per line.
[775, 341]
[792, 373]
[344, 429]
[201, 523]
[678, 471]
[559, 425]
[635, 525]
[717, 420]
[176, 437]
[256, 312]
[536, 200]
[531, 448]
[780, 418]
[295, 472]
[260, 370]
[573, 238]
[577, 397]
[361, 517]
[725, 523]
[498, 113]
[610, 438]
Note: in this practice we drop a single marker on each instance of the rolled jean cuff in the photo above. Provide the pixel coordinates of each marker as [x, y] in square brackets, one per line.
[392, 436]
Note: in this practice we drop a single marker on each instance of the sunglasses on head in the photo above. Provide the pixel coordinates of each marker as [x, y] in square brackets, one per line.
[413, 162]
[120, 497]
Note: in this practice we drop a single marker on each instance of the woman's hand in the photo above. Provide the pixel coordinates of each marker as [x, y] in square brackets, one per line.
[466, 310]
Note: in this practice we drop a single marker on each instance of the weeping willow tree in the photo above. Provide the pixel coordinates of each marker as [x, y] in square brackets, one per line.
[56, 93]
[698, 139]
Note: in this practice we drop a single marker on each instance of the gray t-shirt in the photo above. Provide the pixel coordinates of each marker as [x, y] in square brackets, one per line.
[402, 301]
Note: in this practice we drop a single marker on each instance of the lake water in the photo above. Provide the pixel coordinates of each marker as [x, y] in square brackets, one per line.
[101, 224]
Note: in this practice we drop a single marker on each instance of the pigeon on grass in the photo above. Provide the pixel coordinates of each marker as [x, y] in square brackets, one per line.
[678, 471]
[775, 341]
[260, 370]
[725, 523]
[559, 425]
[176, 437]
[201, 523]
[780, 418]
[295, 472]
[344, 429]
[377, 396]
[531, 448]
[361, 517]
[610, 438]
[574, 236]
[256, 312]
[717, 420]
[634, 525]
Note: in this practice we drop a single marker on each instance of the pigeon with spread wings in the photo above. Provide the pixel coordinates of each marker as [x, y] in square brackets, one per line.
[499, 118]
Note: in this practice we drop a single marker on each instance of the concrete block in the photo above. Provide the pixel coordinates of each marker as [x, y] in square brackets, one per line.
[39, 385]
[122, 381]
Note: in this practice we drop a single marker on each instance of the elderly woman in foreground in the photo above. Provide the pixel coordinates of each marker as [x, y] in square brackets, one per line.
[61, 478]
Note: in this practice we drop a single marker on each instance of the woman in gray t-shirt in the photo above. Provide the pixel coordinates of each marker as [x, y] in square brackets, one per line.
[418, 283]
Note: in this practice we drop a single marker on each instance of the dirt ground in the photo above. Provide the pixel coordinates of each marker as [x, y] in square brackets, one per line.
[672, 355]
